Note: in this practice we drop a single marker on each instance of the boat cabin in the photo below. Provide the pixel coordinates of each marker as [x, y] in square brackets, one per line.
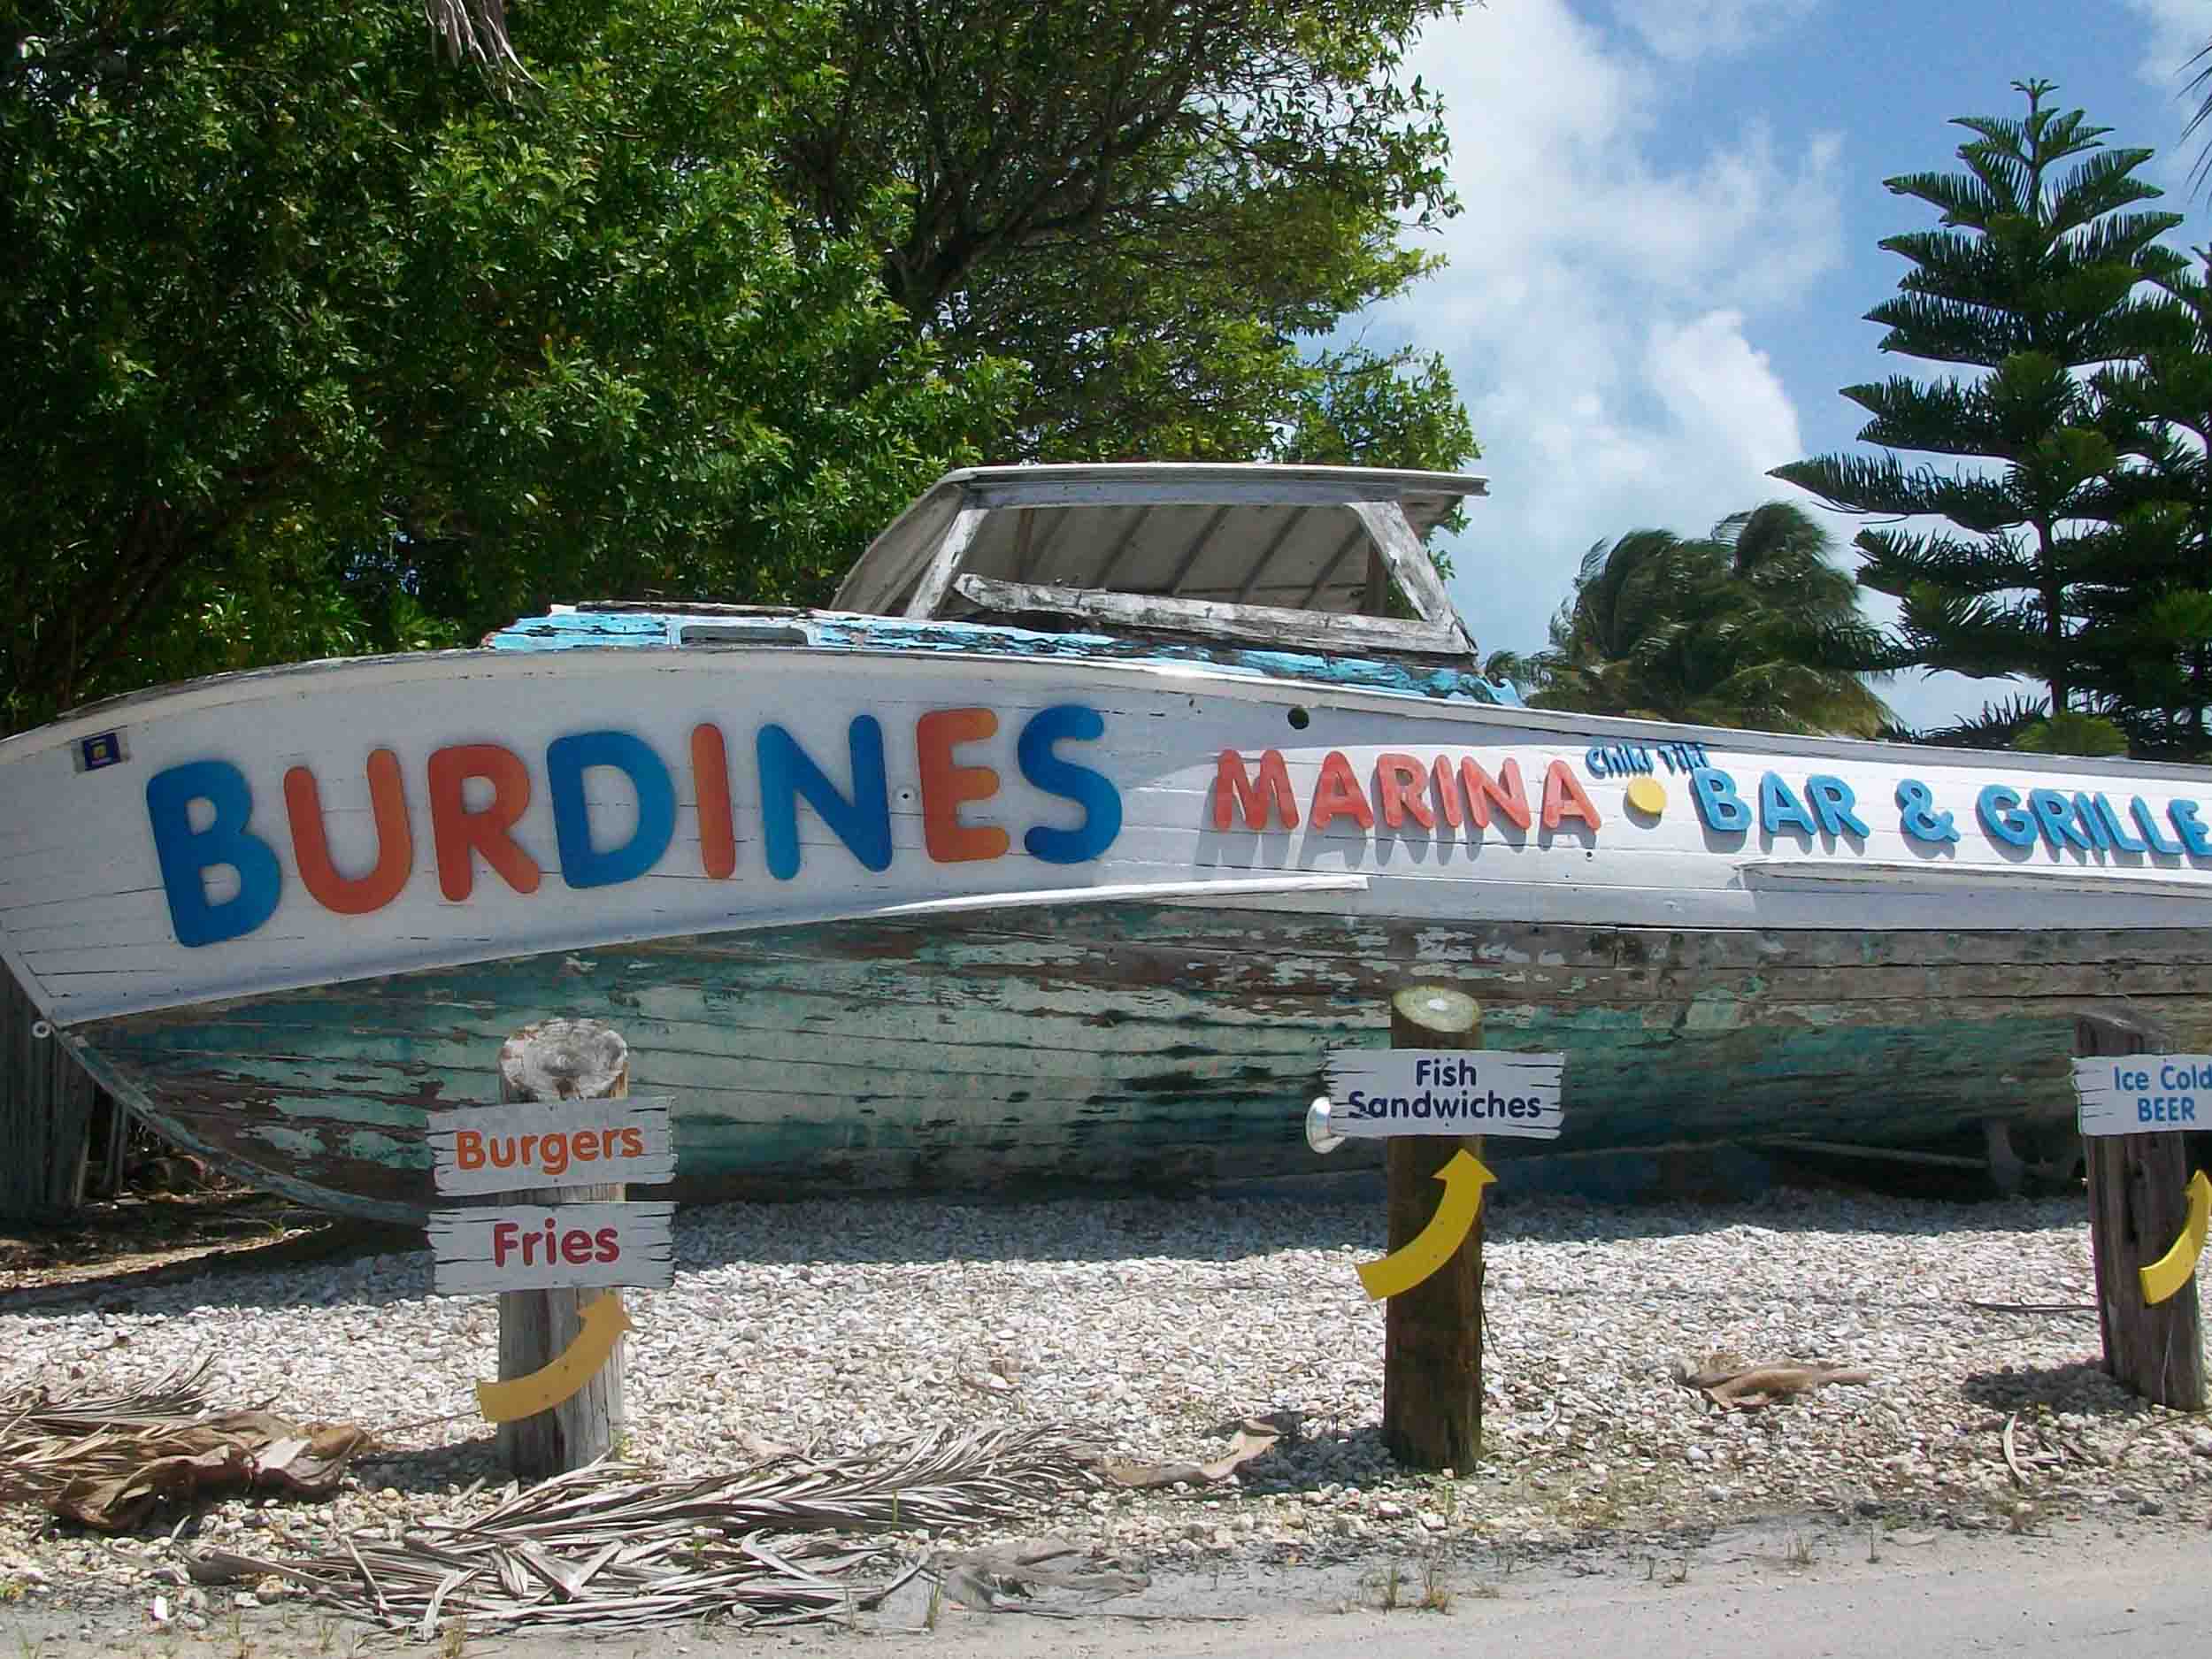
[1305, 558]
[1283, 571]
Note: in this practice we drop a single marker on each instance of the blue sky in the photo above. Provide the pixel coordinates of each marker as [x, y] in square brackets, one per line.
[1658, 284]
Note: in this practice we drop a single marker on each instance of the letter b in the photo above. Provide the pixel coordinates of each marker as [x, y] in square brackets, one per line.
[1718, 802]
[187, 855]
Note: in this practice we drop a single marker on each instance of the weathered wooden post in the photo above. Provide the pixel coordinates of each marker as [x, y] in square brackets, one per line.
[560, 1060]
[1434, 1080]
[1432, 1334]
[2138, 1206]
[45, 1114]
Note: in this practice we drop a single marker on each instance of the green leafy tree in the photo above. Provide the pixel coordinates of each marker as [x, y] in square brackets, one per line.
[1154, 205]
[319, 345]
[1751, 625]
[2072, 733]
[2148, 657]
[473, 31]
[2031, 279]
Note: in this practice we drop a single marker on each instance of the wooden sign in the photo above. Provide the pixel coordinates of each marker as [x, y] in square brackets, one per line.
[530, 1246]
[529, 1145]
[2144, 1094]
[1378, 1091]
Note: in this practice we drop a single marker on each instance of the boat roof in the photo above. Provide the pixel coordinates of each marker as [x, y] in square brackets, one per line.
[1157, 528]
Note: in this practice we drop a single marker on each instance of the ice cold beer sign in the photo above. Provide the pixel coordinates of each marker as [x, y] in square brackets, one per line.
[2144, 1094]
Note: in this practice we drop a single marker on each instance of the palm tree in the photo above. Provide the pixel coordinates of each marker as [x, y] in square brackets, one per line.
[1748, 625]
[2200, 85]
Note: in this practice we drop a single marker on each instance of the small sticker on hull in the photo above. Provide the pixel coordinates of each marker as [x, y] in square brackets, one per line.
[106, 749]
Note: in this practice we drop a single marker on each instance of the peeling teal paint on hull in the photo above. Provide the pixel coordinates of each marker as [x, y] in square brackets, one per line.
[1141, 1042]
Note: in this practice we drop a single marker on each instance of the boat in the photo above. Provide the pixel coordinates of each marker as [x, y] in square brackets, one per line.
[1100, 803]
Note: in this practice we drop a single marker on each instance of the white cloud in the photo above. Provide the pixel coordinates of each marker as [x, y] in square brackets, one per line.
[1713, 381]
[1685, 29]
[1609, 285]
[2178, 30]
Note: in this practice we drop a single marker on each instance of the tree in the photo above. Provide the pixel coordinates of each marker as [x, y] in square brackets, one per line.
[2200, 84]
[472, 30]
[1750, 625]
[2032, 279]
[1151, 205]
[318, 346]
[1999, 725]
[2148, 664]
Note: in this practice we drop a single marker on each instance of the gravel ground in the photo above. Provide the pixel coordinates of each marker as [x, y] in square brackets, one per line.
[1151, 1323]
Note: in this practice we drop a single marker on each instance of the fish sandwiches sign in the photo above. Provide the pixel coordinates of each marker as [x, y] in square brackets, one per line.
[1377, 1092]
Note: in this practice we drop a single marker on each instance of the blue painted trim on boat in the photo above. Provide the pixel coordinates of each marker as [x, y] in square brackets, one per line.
[569, 630]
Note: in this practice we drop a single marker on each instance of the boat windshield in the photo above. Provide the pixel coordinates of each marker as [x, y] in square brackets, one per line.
[1311, 556]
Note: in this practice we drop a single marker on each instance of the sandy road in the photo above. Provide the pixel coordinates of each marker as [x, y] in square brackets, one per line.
[2110, 1588]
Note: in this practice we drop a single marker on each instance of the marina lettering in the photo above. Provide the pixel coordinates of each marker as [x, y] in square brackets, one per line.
[1259, 796]
[223, 877]
[1236, 789]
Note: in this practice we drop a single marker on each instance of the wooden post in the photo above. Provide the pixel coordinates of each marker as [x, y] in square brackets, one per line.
[1432, 1334]
[561, 1059]
[2136, 1205]
[45, 1115]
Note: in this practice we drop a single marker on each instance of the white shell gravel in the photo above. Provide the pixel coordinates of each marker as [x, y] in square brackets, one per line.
[1153, 1322]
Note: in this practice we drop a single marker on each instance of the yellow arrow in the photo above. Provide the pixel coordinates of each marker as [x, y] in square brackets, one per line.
[2170, 1272]
[604, 1322]
[1463, 1178]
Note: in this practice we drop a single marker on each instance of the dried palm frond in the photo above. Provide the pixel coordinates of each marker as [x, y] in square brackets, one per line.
[1733, 1386]
[608, 1547]
[176, 1398]
[106, 1461]
[46, 1440]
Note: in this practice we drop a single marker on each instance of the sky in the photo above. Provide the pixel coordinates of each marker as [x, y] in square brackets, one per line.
[1668, 245]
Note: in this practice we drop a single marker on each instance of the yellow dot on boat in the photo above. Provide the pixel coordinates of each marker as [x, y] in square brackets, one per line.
[1647, 795]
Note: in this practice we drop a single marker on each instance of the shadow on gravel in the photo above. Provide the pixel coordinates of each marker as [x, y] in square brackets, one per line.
[362, 1265]
[2081, 1386]
[912, 1232]
[1353, 1458]
[120, 1288]
[438, 1470]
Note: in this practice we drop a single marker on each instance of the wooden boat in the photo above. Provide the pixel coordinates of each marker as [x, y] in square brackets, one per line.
[1099, 805]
